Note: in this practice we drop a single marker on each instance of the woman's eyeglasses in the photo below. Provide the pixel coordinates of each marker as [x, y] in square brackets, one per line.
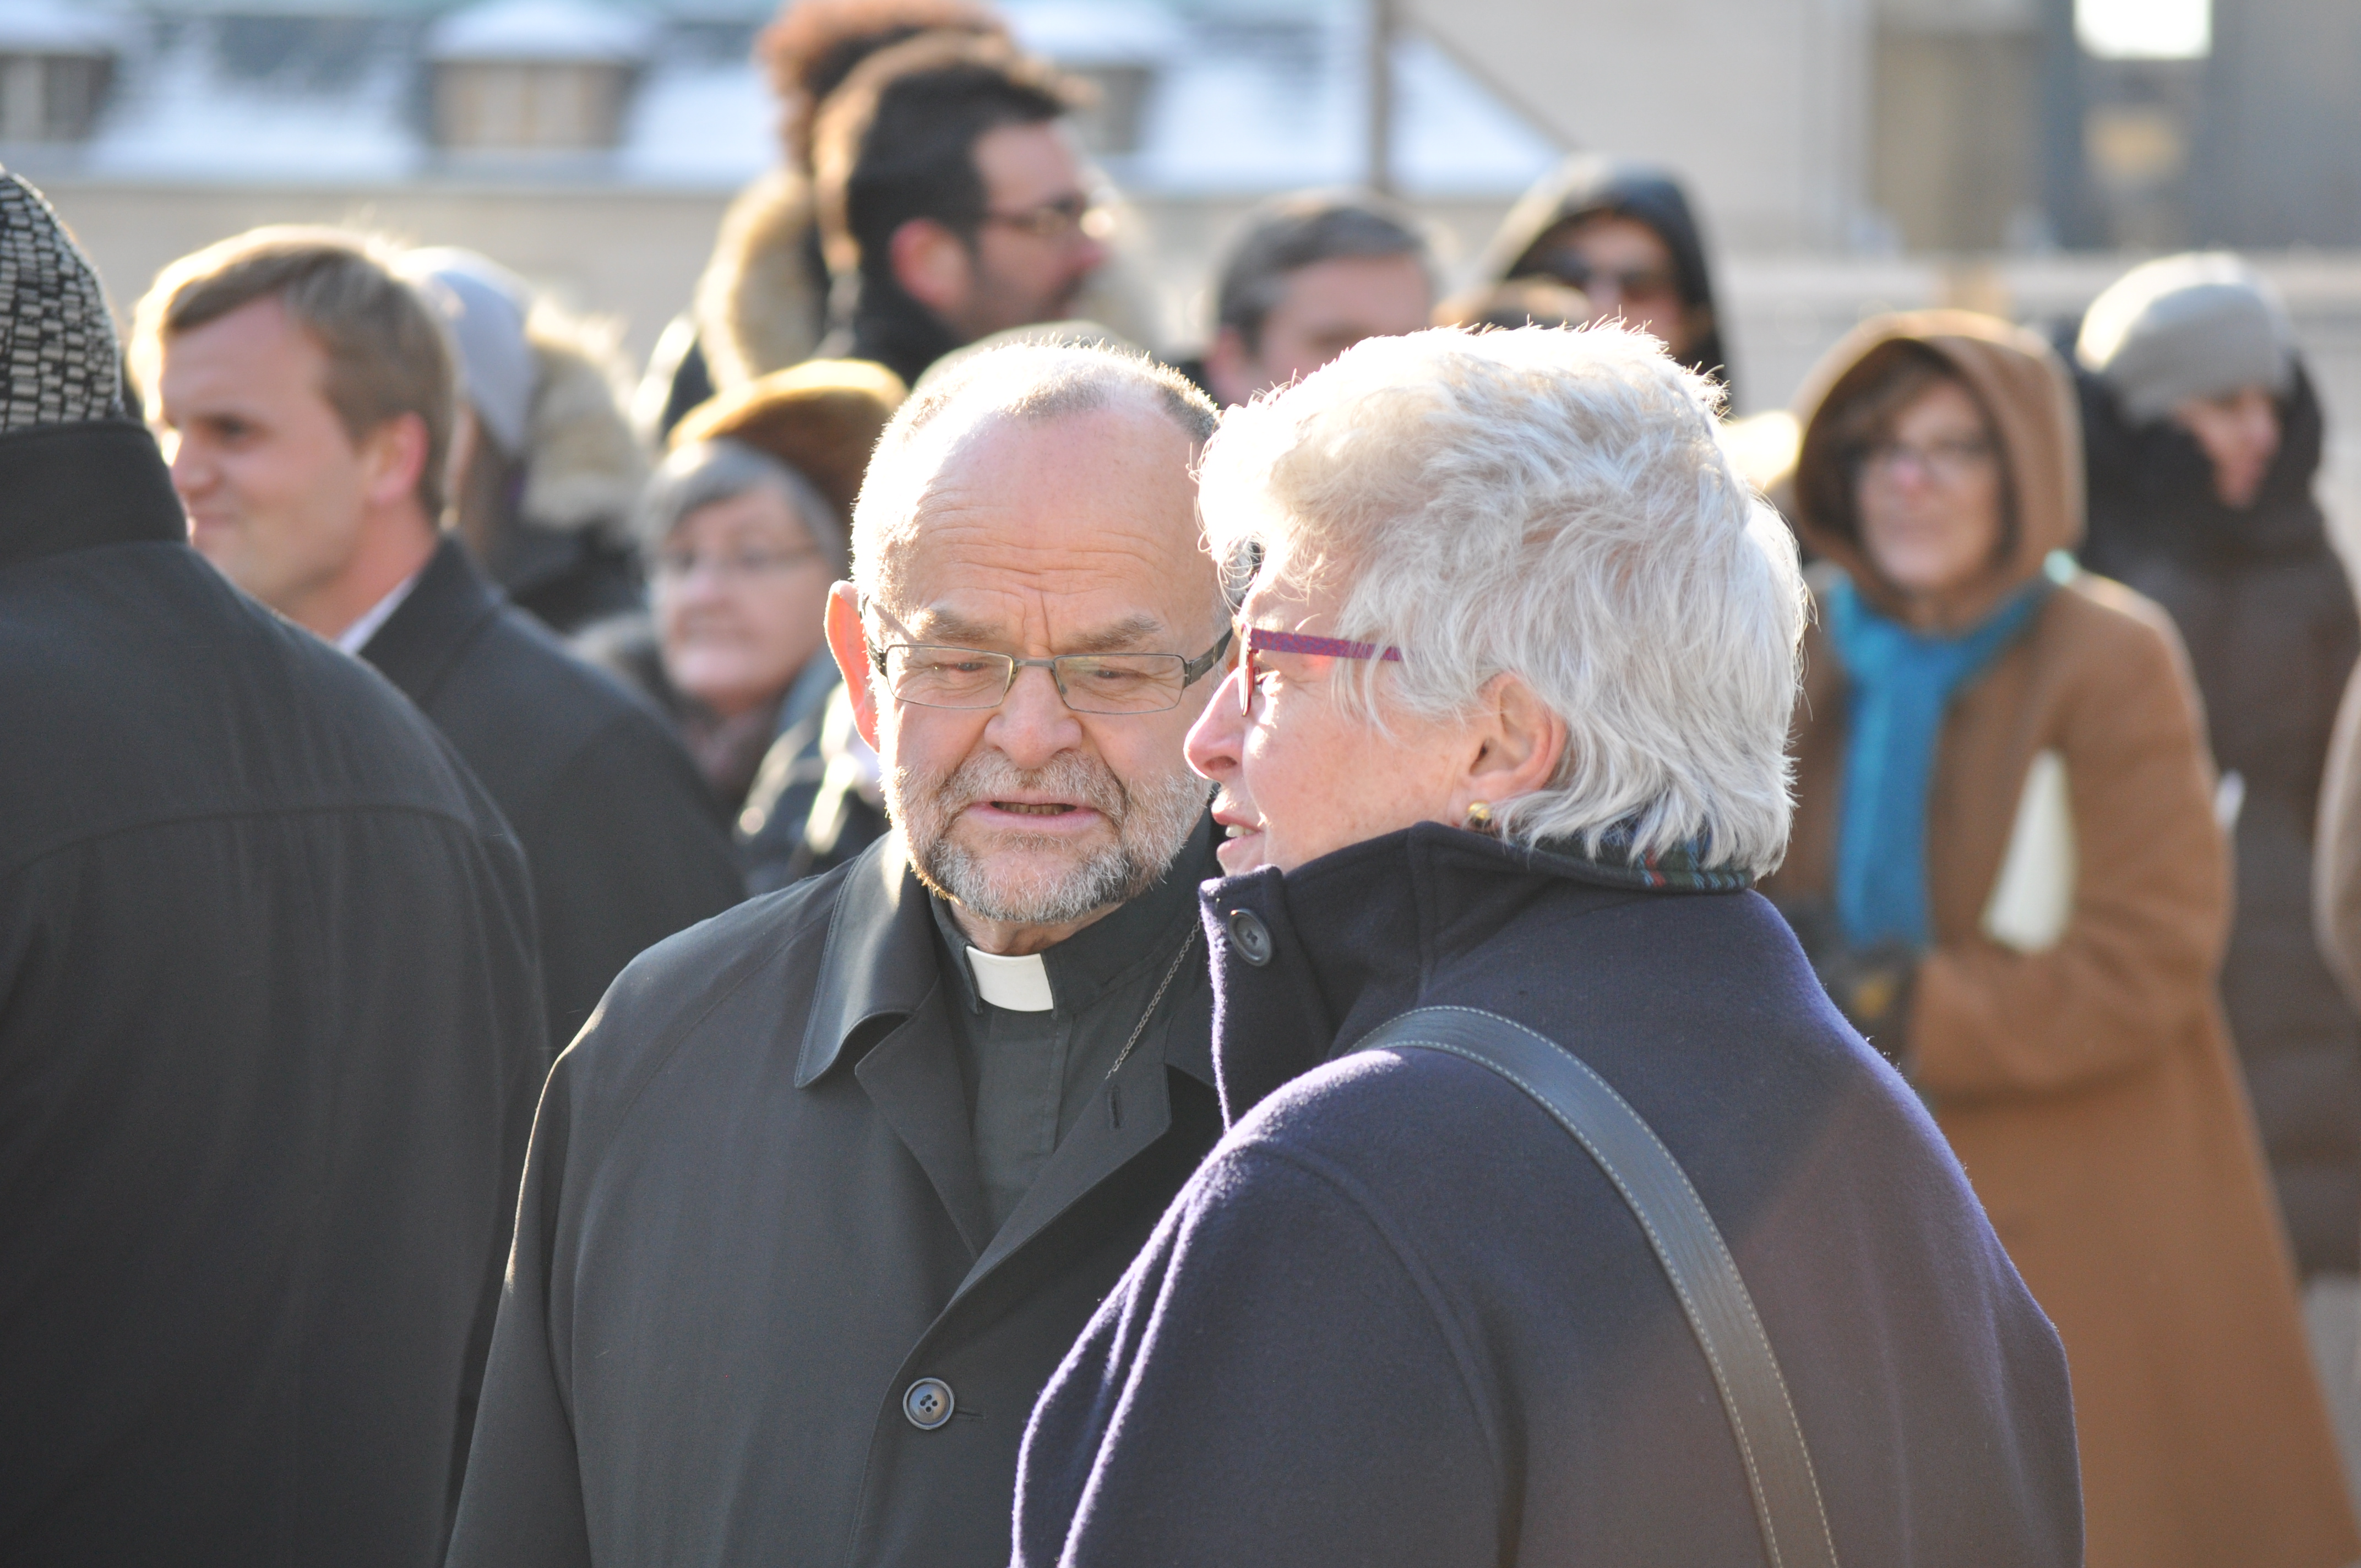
[1253, 640]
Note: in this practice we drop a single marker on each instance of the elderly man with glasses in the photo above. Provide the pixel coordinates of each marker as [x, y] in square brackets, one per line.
[820, 1198]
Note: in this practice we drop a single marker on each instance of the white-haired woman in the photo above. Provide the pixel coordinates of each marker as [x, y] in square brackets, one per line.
[1509, 735]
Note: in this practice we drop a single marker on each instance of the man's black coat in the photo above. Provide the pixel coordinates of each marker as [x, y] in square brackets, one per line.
[1400, 1318]
[753, 1220]
[269, 1036]
[620, 834]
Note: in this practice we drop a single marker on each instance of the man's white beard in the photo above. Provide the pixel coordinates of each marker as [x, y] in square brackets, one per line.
[1024, 878]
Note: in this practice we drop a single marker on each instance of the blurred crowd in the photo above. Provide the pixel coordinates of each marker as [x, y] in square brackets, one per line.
[2077, 843]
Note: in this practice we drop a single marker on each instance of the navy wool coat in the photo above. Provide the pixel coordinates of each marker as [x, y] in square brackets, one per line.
[1399, 1317]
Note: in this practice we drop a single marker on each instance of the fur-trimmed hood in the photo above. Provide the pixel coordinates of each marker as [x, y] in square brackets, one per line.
[584, 468]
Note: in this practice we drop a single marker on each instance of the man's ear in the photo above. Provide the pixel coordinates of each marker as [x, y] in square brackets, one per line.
[1231, 371]
[933, 265]
[1520, 744]
[393, 459]
[850, 646]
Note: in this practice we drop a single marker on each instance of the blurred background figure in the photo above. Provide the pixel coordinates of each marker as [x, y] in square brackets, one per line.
[272, 1025]
[1310, 276]
[304, 394]
[2202, 437]
[1521, 301]
[1623, 234]
[952, 202]
[763, 300]
[2006, 869]
[546, 469]
[745, 529]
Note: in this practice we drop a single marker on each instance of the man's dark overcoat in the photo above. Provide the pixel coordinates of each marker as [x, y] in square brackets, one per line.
[269, 1036]
[1400, 1318]
[623, 840]
[753, 1221]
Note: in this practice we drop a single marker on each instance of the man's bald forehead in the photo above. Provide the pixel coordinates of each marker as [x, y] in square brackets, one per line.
[1128, 409]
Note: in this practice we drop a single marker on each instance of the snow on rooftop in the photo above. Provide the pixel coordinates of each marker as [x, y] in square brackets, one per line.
[570, 30]
[54, 27]
[1097, 32]
[179, 119]
[701, 124]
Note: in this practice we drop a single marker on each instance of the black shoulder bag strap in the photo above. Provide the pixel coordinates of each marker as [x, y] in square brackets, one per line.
[1686, 1242]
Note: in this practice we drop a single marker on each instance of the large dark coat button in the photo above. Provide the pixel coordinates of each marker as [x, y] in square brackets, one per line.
[1250, 936]
[928, 1404]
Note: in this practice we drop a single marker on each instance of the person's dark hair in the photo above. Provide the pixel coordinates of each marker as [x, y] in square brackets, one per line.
[813, 45]
[897, 140]
[1860, 416]
[1284, 236]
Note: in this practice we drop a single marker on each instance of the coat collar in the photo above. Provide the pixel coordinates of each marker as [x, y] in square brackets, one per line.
[423, 641]
[1348, 940]
[76, 487]
[880, 959]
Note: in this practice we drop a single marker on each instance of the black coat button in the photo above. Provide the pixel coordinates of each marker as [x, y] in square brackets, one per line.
[928, 1404]
[1250, 936]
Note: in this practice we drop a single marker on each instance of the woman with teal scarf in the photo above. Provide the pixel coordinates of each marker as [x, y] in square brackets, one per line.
[2006, 869]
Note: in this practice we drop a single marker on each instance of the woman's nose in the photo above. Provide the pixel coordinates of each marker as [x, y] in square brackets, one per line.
[1212, 745]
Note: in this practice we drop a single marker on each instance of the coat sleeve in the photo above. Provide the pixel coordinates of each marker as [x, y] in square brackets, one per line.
[626, 849]
[1269, 1384]
[2141, 951]
[520, 1504]
[2336, 851]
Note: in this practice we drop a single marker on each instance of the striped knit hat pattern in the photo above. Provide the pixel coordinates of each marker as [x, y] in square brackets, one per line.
[57, 343]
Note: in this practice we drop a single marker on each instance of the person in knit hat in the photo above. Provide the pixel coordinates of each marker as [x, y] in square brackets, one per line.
[272, 1028]
[2204, 438]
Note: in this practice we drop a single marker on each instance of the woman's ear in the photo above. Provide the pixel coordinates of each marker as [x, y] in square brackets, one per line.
[1520, 743]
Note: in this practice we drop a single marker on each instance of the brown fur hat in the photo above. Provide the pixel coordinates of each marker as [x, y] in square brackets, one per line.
[821, 418]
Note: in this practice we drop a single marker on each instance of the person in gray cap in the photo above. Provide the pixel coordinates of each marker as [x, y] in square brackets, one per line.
[2204, 437]
[545, 470]
[270, 1023]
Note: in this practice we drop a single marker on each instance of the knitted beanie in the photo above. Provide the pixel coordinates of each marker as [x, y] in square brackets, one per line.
[2187, 326]
[55, 339]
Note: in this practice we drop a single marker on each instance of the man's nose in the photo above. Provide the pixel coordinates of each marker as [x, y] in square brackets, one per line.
[1033, 723]
[192, 472]
[1213, 740]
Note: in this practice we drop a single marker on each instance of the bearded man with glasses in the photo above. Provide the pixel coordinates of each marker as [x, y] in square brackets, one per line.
[817, 1203]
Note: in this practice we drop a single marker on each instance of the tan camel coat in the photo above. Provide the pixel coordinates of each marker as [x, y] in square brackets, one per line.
[2088, 1084]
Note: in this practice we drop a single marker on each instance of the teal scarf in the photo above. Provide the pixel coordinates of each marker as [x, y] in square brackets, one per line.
[1903, 682]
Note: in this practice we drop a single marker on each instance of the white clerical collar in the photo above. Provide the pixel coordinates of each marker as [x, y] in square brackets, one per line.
[354, 638]
[1021, 984]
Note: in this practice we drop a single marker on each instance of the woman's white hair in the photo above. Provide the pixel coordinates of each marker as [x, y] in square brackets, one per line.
[1556, 505]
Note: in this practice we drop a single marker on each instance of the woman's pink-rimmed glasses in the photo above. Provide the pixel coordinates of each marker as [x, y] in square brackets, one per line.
[1262, 639]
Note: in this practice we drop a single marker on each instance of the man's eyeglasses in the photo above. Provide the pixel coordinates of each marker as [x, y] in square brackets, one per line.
[1060, 220]
[1253, 640]
[933, 675]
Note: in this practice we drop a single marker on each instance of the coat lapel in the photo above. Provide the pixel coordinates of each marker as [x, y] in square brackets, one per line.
[879, 968]
[913, 1076]
[421, 641]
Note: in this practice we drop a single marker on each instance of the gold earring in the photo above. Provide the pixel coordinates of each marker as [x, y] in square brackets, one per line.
[1480, 815]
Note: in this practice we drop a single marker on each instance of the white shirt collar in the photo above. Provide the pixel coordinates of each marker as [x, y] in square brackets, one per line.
[354, 638]
[1020, 984]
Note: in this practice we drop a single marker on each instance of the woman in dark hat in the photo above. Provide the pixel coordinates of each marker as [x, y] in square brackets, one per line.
[1624, 235]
